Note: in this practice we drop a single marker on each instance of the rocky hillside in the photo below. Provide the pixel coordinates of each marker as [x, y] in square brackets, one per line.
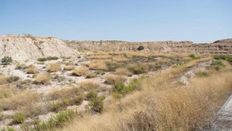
[29, 47]
[217, 47]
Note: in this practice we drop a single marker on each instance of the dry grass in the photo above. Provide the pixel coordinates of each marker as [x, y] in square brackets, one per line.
[123, 71]
[97, 65]
[31, 69]
[3, 79]
[69, 67]
[53, 67]
[42, 78]
[162, 106]
[6, 91]
[114, 79]
[80, 71]
[88, 85]
[19, 100]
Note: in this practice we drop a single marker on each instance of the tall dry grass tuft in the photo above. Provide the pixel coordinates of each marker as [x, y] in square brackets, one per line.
[54, 67]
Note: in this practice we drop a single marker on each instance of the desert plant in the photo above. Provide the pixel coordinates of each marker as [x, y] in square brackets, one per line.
[80, 71]
[69, 67]
[138, 68]
[31, 69]
[18, 118]
[6, 60]
[96, 102]
[123, 89]
[13, 79]
[42, 78]
[54, 67]
[123, 71]
[52, 58]
[3, 79]
[202, 74]
[41, 59]
[114, 79]
[224, 57]
[217, 64]
[91, 75]
[193, 56]
[57, 121]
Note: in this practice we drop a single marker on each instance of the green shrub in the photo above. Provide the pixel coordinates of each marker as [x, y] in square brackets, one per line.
[6, 60]
[224, 57]
[96, 102]
[123, 89]
[217, 64]
[41, 59]
[18, 118]
[202, 74]
[52, 58]
[57, 121]
[13, 79]
[193, 56]
[47, 58]
[139, 68]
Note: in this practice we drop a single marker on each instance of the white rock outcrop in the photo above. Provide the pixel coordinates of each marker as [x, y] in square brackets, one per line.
[29, 47]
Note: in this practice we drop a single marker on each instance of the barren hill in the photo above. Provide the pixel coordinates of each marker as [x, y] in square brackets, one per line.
[29, 47]
[217, 47]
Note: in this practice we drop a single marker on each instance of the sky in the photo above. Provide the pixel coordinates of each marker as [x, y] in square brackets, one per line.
[131, 20]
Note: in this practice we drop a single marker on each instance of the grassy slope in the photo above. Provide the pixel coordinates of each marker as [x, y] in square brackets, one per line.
[162, 105]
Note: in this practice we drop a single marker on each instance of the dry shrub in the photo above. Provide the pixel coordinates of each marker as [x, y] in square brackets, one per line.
[80, 71]
[54, 67]
[3, 79]
[97, 65]
[114, 79]
[123, 71]
[6, 91]
[69, 67]
[88, 85]
[19, 100]
[64, 92]
[42, 78]
[138, 68]
[31, 69]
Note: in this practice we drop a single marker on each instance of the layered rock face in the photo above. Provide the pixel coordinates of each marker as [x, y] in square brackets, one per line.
[29, 47]
[218, 47]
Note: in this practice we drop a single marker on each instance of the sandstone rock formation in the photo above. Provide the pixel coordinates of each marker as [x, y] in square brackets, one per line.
[29, 47]
[217, 47]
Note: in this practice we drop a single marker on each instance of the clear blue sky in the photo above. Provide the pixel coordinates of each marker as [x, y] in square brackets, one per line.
[133, 20]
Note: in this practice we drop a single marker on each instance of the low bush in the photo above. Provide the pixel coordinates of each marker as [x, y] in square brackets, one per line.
[123, 89]
[193, 56]
[91, 75]
[57, 121]
[18, 118]
[6, 60]
[96, 102]
[31, 69]
[47, 58]
[80, 71]
[69, 67]
[114, 79]
[3, 79]
[53, 67]
[224, 57]
[139, 68]
[217, 64]
[202, 74]
[123, 71]
[42, 78]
